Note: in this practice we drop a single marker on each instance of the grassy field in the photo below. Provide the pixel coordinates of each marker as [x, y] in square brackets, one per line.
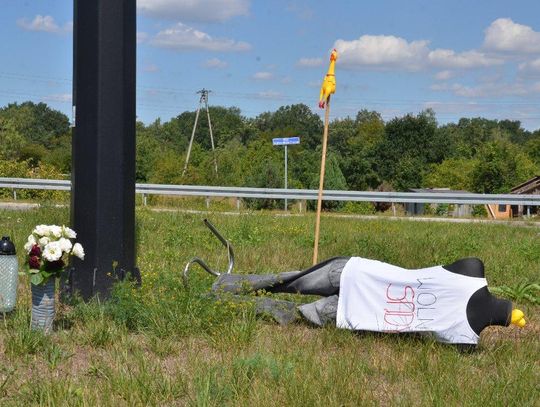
[167, 345]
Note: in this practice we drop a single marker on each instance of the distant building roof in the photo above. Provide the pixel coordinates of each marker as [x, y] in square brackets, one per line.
[530, 186]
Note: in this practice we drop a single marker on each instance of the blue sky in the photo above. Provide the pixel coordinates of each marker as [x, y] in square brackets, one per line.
[461, 58]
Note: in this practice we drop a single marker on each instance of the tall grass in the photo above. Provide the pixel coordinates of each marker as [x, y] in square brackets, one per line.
[164, 344]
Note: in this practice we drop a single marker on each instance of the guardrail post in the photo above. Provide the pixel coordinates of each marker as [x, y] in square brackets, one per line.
[238, 204]
[394, 208]
[207, 202]
[144, 199]
[14, 194]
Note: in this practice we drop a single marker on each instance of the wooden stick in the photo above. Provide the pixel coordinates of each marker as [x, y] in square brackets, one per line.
[321, 182]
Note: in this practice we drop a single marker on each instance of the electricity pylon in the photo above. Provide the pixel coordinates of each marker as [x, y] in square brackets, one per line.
[204, 99]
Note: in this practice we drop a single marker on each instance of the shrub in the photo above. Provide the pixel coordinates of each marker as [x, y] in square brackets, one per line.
[361, 208]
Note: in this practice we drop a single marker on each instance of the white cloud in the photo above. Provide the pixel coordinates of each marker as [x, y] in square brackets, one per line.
[530, 67]
[215, 63]
[194, 10]
[263, 76]
[444, 75]
[310, 62]
[44, 23]
[181, 37]
[491, 77]
[505, 35]
[448, 58]
[390, 52]
[382, 51]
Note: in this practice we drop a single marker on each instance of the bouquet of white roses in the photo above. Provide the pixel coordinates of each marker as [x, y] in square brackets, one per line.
[48, 248]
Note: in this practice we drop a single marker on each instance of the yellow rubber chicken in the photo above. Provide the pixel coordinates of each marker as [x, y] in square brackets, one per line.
[518, 318]
[329, 83]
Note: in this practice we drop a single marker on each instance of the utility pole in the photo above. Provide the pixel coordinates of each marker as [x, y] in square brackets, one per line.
[204, 99]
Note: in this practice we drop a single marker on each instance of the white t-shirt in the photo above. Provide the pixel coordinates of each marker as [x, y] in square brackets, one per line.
[377, 296]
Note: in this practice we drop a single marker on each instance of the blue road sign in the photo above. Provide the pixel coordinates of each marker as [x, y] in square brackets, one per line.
[285, 141]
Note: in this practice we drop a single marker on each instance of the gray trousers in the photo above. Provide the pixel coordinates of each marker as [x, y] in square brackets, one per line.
[321, 279]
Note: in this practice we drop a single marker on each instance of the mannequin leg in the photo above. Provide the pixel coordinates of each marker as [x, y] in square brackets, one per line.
[321, 312]
[321, 279]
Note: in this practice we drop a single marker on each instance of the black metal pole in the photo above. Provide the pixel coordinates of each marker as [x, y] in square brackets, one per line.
[103, 152]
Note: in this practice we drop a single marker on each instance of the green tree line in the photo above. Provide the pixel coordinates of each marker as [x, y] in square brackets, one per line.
[364, 152]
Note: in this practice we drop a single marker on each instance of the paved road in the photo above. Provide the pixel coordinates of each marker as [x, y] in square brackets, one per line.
[16, 206]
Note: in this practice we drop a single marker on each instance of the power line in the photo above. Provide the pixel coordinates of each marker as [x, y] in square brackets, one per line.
[258, 96]
[166, 107]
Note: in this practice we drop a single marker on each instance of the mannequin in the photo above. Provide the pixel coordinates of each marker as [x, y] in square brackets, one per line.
[363, 294]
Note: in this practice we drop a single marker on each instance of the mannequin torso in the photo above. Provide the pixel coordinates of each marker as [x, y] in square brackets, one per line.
[483, 309]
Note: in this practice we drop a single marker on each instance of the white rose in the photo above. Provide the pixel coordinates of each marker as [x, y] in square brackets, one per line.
[55, 231]
[78, 251]
[65, 245]
[41, 230]
[44, 241]
[52, 251]
[69, 233]
[30, 243]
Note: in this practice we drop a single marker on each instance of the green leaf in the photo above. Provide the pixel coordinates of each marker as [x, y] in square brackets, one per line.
[36, 279]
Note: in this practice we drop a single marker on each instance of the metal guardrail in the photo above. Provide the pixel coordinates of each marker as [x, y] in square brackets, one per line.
[299, 194]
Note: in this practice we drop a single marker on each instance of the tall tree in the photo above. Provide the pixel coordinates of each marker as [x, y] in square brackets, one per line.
[453, 173]
[37, 123]
[472, 133]
[413, 140]
[515, 133]
[501, 165]
[333, 180]
[370, 129]
[532, 147]
[227, 124]
[149, 149]
[293, 120]
[11, 142]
